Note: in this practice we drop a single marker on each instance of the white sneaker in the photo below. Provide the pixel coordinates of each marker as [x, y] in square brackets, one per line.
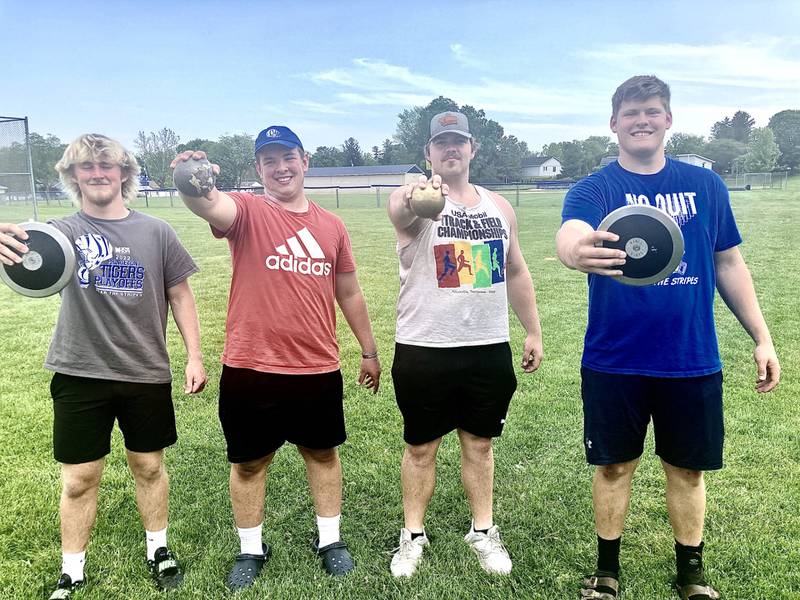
[408, 556]
[492, 554]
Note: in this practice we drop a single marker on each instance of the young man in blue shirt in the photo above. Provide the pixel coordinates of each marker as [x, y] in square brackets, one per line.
[651, 352]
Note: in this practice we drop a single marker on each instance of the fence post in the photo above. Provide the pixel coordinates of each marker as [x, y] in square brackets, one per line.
[518, 193]
[337, 196]
[171, 205]
[146, 199]
[378, 197]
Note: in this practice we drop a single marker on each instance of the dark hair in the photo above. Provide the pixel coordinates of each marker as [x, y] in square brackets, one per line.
[640, 88]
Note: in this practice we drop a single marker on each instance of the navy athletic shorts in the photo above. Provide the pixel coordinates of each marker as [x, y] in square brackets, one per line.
[686, 414]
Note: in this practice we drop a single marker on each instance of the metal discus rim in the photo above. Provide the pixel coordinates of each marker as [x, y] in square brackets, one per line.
[70, 262]
[669, 224]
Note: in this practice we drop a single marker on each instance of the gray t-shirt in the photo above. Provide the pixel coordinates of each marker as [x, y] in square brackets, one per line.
[113, 318]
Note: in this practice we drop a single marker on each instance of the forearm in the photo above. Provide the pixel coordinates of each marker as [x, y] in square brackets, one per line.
[184, 311]
[522, 298]
[354, 309]
[736, 288]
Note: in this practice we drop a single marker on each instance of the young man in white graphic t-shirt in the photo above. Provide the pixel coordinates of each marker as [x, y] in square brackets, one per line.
[453, 367]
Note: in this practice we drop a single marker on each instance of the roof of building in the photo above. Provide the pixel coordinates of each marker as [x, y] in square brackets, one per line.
[363, 170]
[607, 160]
[537, 161]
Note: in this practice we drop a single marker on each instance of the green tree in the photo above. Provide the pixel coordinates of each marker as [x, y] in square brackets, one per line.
[234, 155]
[46, 150]
[786, 127]
[327, 156]
[762, 151]
[742, 126]
[686, 143]
[723, 152]
[736, 128]
[351, 153]
[196, 144]
[156, 151]
[594, 148]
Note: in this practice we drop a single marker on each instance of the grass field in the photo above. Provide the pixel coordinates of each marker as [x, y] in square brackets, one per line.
[542, 490]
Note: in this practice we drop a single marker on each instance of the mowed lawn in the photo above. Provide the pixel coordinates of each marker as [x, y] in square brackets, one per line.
[542, 489]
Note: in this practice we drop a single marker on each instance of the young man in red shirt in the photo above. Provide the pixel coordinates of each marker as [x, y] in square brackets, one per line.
[281, 379]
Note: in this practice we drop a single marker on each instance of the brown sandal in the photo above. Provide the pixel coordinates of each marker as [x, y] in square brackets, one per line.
[602, 585]
[695, 591]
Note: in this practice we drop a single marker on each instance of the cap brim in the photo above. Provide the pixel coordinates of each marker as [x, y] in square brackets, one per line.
[456, 131]
[286, 143]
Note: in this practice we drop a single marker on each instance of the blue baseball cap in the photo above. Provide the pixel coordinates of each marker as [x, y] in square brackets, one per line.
[278, 134]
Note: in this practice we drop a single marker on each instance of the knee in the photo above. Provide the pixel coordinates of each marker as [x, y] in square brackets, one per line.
[148, 472]
[615, 473]
[477, 449]
[251, 469]
[76, 486]
[685, 477]
[422, 455]
[325, 456]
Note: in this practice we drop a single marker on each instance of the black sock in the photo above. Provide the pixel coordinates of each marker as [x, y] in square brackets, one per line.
[483, 531]
[415, 535]
[689, 563]
[608, 555]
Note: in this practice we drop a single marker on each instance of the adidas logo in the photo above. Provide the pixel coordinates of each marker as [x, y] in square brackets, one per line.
[303, 256]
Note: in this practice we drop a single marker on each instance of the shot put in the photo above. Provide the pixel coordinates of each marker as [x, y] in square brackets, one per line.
[194, 177]
[427, 202]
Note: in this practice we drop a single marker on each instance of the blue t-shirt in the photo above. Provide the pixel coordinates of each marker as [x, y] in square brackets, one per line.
[665, 329]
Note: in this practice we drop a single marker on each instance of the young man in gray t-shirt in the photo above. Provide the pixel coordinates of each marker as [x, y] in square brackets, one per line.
[109, 351]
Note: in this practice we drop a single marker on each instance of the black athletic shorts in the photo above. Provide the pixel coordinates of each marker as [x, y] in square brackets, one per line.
[442, 389]
[84, 412]
[686, 413]
[259, 412]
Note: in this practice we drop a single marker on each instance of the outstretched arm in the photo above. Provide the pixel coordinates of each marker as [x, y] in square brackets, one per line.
[184, 311]
[406, 222]
[735, 286]
[354, 308]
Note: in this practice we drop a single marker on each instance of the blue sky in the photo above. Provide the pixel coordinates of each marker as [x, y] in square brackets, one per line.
[331, 70]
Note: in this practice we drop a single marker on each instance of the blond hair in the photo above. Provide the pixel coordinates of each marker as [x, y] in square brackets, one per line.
[92, 147]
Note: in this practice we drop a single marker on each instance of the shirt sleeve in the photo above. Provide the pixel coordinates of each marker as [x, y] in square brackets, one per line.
[586, 201]
[178, 264]
[243, 202]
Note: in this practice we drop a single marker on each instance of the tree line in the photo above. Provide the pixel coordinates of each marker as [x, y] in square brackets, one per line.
[734, 143]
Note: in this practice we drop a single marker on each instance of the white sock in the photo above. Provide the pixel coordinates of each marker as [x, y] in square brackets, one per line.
[155, 540]
[328, 529]
[250, 539]
[72, 565]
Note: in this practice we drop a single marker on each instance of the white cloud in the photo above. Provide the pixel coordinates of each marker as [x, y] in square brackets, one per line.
[464, 57]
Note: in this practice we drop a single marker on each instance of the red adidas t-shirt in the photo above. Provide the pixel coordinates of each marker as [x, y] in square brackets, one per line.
[281, 313]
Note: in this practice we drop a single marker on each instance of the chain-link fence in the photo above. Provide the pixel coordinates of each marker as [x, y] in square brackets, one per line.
[757, 181]
[17, 193]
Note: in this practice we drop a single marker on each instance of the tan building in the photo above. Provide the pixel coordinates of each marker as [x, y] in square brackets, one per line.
[364, 178]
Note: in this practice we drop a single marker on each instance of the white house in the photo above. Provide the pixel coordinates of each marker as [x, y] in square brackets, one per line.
[541, 166]
[696, 159]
